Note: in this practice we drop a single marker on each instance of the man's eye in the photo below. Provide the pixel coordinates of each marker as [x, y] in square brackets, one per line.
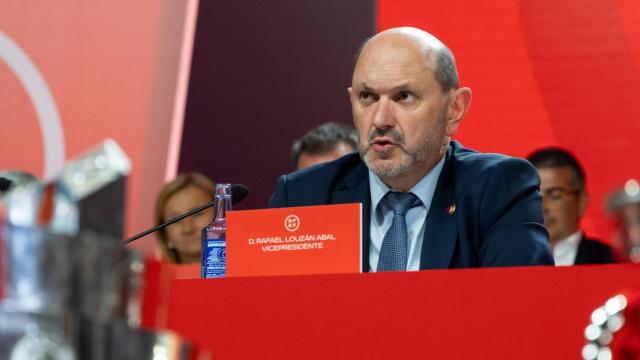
[405, 96]
[367, 97]
[555, 194]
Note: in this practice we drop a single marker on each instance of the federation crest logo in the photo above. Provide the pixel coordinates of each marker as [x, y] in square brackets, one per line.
[292, 223]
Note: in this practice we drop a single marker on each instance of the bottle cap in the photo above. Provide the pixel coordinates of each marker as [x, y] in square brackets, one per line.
[223, 189]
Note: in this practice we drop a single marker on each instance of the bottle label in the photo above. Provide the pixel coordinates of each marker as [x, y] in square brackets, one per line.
[214, 254]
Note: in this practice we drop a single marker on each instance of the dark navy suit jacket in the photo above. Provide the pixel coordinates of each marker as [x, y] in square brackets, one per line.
[592, 251]
[497, 221]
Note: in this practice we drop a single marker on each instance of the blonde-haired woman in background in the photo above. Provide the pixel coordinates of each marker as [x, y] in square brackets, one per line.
[180, 242]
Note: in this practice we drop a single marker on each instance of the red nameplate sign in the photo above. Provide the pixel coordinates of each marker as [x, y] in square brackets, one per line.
[292, 241]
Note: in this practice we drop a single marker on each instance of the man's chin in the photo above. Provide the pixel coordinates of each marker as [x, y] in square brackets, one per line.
[553, 233]
[550, 225]
[385, 168]
[383, 155]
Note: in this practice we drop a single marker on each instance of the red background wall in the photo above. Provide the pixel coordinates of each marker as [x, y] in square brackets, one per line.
[112, 68]
[544, 73]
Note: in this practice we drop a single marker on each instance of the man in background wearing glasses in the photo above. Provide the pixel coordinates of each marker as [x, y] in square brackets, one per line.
[562, 183]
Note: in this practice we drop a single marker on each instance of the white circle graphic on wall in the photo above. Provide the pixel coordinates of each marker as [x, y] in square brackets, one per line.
[42, 100]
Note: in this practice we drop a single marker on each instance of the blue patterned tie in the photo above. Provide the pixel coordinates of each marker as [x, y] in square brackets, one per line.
[394, 251]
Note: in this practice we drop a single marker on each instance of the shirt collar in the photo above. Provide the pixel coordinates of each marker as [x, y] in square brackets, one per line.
[565, 251]
[424, 189]
[571, 241]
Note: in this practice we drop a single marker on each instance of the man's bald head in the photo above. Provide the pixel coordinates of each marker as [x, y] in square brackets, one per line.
[436, 53]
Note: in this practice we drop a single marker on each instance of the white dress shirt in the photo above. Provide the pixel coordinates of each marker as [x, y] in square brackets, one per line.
[382, 216]
[565, 251]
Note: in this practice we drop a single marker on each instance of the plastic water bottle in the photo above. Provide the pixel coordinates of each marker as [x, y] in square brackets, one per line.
[214, 246]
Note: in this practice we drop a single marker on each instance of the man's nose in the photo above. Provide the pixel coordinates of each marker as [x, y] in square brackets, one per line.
[545, 204]
[384, 115]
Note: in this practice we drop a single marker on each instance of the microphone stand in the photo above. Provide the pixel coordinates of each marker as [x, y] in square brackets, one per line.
[172, 221]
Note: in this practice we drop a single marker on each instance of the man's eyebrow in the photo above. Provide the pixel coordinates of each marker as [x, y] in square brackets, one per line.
[363, 86]
[401, 87]
[555, 188]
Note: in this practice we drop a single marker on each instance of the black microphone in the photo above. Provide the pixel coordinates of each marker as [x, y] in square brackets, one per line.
[238, 193]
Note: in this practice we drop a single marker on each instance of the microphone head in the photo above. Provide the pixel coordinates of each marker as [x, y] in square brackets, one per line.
[238, 193]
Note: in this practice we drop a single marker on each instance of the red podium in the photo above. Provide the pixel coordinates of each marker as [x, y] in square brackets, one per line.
[501, 313]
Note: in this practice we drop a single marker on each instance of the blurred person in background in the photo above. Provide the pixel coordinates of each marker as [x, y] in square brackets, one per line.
[565, 199]
[624, 206]
[180, 242]
[325, 143]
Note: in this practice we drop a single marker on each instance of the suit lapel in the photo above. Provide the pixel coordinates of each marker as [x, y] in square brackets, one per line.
[441, 231]
[354, 188]
[581, 253]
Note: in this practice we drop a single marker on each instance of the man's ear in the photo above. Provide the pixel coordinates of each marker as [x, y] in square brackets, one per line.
[459, 101]
[584, 201]
[350, 91]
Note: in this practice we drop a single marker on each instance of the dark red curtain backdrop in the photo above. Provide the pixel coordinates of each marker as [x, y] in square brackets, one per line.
[545, 72]
[263, 73]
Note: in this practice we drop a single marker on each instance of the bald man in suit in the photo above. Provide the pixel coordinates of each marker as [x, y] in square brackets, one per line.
[428, 202]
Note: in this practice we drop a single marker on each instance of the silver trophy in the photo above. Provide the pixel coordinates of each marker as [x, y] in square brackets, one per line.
[71, 290]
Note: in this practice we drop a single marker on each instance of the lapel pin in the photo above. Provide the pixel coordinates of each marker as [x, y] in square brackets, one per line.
[452, 209]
